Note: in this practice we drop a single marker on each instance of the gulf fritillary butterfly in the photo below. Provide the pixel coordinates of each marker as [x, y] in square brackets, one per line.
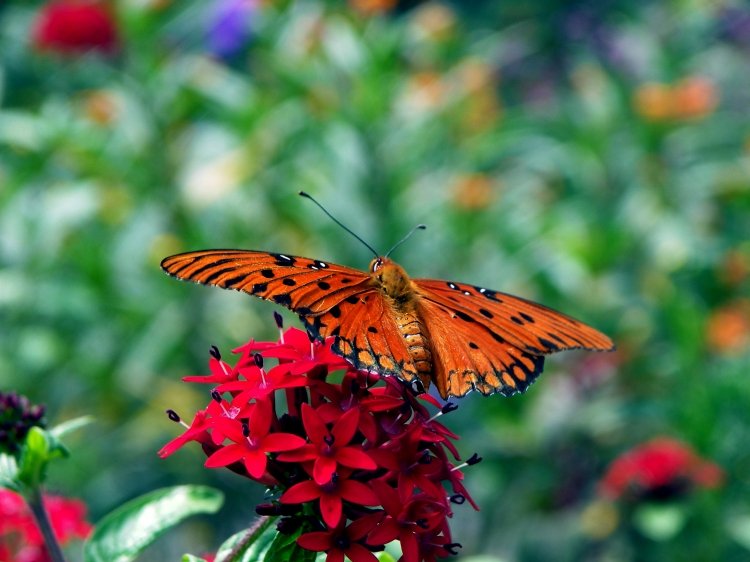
[459, 337]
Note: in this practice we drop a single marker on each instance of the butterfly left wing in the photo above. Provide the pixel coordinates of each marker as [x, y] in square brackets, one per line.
[331, 299]
[492, 341]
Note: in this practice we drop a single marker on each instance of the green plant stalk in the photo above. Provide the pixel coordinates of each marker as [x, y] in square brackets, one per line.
[34, 500]
[253, 532]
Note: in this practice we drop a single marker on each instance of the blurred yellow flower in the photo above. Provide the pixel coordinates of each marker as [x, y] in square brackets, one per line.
[599, 519]
[473, 192]
[370, 7]
[102, 107]
[434, 21]
[653, 101]
[424, 91]
[728, 328]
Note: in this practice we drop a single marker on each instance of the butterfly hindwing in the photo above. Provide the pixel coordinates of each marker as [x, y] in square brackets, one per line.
[528, 326]
[366, 335]
[466, 358]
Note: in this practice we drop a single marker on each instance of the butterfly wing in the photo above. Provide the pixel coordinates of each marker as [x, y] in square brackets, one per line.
[492, 341]
[332, 300]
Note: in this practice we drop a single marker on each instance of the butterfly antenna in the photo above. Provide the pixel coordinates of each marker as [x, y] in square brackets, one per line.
[338, 222]
[405, 238]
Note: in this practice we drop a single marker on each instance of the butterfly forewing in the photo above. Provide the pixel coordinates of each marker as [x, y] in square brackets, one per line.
[504, 318]
[303, 285]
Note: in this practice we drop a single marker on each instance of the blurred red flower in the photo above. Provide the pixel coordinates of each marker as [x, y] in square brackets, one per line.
[362, 453]
[75, 26]
[21, 541]
[661, 469]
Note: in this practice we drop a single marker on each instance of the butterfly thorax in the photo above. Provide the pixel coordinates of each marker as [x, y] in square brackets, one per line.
[400, 292]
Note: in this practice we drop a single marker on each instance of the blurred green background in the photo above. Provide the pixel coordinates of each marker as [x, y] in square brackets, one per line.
[591, 155]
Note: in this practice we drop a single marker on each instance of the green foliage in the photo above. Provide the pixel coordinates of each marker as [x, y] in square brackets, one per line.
[121, 535]
[591, 156]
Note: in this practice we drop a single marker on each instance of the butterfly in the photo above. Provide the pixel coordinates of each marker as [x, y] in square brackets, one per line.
[457, 336]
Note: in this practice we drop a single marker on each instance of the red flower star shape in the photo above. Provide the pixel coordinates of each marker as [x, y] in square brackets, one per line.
[331, 448]
[251, 441]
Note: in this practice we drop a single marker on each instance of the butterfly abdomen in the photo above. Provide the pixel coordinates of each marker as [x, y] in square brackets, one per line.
[417, 343]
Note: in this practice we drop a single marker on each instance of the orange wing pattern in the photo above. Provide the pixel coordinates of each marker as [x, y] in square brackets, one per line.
[331, 299]
[303, 285]
[492, 341]
[470, 358]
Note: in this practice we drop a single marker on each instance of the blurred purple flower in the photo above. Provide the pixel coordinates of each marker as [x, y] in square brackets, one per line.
[230, 26]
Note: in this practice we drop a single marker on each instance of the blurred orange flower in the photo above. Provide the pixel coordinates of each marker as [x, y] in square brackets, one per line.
[728, 328]
[693, 97]
[473, 192]
[435, 21]
[372, 6]
[477, 82]
[653, 101]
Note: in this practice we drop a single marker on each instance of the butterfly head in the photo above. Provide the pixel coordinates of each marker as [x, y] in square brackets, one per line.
[391, 278]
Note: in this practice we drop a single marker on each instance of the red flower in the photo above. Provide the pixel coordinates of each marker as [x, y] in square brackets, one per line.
[21, 541]
[75, 26]
[331, 495]
[251, 441]
[329, 449]
[332, 445]
[660, 469]
[342, 541]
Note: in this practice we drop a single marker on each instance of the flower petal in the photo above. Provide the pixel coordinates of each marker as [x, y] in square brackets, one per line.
[330, 509]
[358, 553]
[357, 492]
[225, 455]
[314, 425]
[256, 462]
[323, 469]
[315, 541]
[275, 442]
[345, 428]
[355, 458]
[299, 493]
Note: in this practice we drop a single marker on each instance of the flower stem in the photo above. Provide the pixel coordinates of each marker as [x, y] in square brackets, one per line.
[253, 532]
[34, 499]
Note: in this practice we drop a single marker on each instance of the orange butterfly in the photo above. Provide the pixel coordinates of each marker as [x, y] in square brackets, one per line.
[457, 336]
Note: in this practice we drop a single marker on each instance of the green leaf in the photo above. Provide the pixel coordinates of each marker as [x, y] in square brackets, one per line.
[254, 549]
[192, 558]
[71, 425]
[122, 534]
[9, 472]
[285, 549]
[35, 455]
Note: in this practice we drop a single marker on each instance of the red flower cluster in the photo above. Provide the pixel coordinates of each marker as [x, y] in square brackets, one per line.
[362, 451]
[21, 541]
[661, 469]
[75, 26]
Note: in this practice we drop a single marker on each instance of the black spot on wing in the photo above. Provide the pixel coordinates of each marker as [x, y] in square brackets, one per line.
[352, 299]
[335, 311]
[259, 288]
[346, 280]
[283, 260]
[289, 282]
[267, 273]
[324, 286]
[372, 329]
[304, 311]
[486, 313]
[231, 282]
[472, 345]
[516, 320]
[527, 317]
[488, 293]
[283, 299]
[463, 316]
[548, 344]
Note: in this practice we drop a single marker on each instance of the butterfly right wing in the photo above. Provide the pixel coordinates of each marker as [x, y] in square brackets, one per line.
[331, 299]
